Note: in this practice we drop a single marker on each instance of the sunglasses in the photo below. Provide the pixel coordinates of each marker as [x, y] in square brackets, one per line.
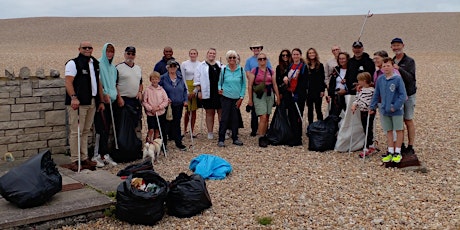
[87, 47]
[257, 47]
[231, 57]
[131, 53]
[262, 59]
[285, 55]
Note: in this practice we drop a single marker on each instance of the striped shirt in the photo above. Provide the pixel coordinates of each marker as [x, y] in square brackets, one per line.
[363, 98]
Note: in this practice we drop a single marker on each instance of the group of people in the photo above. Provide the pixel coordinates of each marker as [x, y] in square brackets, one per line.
[94, 86]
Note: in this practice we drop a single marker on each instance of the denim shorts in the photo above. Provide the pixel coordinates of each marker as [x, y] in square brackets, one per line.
[409, 107]
[392, 123]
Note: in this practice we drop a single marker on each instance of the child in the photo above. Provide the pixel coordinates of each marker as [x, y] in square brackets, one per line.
[391, 90]
[155, 101]
[362, 101]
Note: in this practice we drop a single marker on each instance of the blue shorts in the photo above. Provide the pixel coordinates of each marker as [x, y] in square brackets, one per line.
[409, 107]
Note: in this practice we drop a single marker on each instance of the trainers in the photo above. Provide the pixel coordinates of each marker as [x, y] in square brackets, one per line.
[220, 144]
[238, 142]
[396, 158]
[182, 147]
[89, 163]
[210, 136]
[367, 152]
[98, 160]
[387, 157]
[408, 152]
[109, 160]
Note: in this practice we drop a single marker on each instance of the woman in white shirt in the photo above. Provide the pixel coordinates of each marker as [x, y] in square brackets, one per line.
[188, 71]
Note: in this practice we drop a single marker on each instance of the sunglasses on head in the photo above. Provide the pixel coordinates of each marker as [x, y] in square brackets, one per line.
[87, 47]
[262, 59]
[172, 66]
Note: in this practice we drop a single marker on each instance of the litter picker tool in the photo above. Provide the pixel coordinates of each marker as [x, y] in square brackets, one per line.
[113, 125]
[192, 146]
[351, 134]
[368, 15]
[161, 134]
[365, 139]
[78, 139]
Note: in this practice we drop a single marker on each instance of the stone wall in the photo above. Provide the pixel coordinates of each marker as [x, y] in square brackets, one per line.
[32, 116]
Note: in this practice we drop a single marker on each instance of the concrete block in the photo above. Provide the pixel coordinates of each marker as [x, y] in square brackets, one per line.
[38, 130]
[27, 100]
[51, 83]
[57, 142]
[26, 89]
[8, 140]
[27, 137]
[25, 116]
[39, 107]
[14, 132]
[17, 108]
[9, 125]
[39, 92]
[31, 123]
[55, 117]
[27, 145]
[5, 112]
[52, 135]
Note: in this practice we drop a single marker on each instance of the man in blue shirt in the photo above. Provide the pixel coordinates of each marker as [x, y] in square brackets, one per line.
[252, 63]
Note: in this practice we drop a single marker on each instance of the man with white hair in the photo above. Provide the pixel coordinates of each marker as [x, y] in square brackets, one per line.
[331, 63]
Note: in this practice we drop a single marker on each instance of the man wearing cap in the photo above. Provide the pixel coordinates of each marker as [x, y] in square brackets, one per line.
[406, 67]
[129, 84]
[252, 63]
[83, 96]
[360, 62]
[160, 67]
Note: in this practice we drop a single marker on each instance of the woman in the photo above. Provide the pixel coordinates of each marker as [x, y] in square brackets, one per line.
[337, 87]
[205, 82]
[316, 85]
[188, 71]
[296, 94]
[176, 90]
[284, 61]
[262, 102]
[232, 87]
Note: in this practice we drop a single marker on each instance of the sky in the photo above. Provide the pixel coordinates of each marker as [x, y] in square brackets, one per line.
[209, 8]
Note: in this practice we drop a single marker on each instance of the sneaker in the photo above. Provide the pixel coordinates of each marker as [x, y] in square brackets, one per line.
[396, 158]
[367, 152]
[109, 160]
[182, 147]
[238, 142]
[220, 144]
[387, 157]
[89, 163]
[72, 166]
[408, 152]
[403, 148]
[98, 160]
[210, 136]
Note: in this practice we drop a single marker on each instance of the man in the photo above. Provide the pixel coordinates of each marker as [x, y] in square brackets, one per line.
[160, 67]
[129, 84]
[406, 67]
[83, 93]
[331, 63]
[252, 63]
[360, 62]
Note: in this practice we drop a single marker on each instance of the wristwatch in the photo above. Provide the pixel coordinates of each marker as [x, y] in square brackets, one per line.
[73, 96]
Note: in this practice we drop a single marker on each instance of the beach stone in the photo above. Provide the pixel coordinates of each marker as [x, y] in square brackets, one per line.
[24, 73]
[377, 221]
[40, 73]
[54, 73]
[9, 73]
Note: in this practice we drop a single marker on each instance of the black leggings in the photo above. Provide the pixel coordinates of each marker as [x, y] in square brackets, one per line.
[316, 103]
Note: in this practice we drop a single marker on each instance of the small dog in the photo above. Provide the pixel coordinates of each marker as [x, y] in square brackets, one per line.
[153, 149]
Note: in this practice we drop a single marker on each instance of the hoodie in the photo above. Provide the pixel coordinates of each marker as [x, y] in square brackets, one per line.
[108, 75]
[393, 94]
[155, 100]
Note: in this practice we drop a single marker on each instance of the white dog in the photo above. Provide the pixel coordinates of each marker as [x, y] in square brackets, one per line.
[153, 149]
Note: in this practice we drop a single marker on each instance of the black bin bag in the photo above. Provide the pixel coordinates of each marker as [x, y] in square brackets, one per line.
[140, 207]
[129, 146]
[187, 196]
[32, 183]
[322, 135]
[280, 132]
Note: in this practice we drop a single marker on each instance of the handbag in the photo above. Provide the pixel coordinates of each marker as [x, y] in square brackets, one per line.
[260, 88]
[169, 116]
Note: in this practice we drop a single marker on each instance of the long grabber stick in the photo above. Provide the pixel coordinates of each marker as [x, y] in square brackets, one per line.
[161, 135]
[113, 125]
[364, 23]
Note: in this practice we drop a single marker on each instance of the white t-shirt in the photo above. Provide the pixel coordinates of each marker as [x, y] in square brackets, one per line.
[188, 69]
[71, 70]
[338, 80]
[129, 79]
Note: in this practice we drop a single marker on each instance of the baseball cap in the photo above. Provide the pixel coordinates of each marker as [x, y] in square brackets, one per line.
[397, 40]
[172, 62]
[357, 44]
[130, 49]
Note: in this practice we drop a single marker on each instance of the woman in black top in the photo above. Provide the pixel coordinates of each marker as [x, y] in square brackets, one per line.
[316, 85]
[284, 61]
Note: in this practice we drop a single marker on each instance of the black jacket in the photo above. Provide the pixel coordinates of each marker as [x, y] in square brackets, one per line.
[407, 70]
[354, 68]
[315, 79]
[82, 81]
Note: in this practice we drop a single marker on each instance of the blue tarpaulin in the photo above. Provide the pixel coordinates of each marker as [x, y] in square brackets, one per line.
[210, 167]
